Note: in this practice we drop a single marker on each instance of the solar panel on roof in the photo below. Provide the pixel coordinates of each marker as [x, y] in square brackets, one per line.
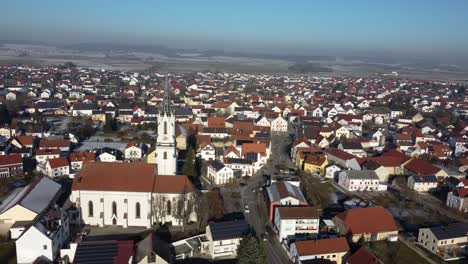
[96, 253]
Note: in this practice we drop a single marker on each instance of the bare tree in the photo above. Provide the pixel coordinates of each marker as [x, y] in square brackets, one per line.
[185, 207]
[159, 209]
[200, 208]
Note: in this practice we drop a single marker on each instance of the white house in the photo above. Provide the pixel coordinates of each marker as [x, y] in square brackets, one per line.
[45, 237]
[225, 237]
[422, 183]
[279, 125]
[107, 157]
[332, 249]
[219, 174]
[362, 180]
[208, 152]
[292, 222]
[133, 151]
[131, 194]
[43, 155]
[57, 167]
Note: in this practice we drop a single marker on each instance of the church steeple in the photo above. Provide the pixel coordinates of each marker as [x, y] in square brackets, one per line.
[166, 106]
[166, 154]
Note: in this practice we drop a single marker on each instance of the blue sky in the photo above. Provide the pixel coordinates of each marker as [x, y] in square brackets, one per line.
[433, 26]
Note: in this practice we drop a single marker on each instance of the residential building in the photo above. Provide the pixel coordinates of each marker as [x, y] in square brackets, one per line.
[458, 199]
[448, 242]
[296, 221]
[283, 193]
[225, 237]
[360, 181]
[218, 174]
[333, 250]
[422, 183]
[370, 223]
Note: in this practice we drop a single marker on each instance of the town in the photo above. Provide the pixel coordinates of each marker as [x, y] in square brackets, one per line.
[107, 166]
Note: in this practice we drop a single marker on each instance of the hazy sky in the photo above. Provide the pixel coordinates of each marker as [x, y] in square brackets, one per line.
[435, 26]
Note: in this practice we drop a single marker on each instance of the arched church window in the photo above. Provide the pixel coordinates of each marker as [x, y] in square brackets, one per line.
[168, 207]
[137, 210]
[90, 209]
[165, 127]
[114, 208]
[165, 155]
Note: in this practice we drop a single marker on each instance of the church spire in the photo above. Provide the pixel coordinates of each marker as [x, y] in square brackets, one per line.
[166, 107]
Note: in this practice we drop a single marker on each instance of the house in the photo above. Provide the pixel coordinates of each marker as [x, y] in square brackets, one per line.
[24, 204]
[241, 167]
[225, 237]
[83, 109]
[23, 141]
[448, 242]
[370, 223]
[7, 131]
[107, 251]
[207, 151]
[363, 256]
[279, 125]
[315, 164]
[332, 170]
[77, 159]
[10, 165]
[125, 193]
[352, 147]
[458, 199]
[57, 167]
[133, 151]
[59, 144]
[45, 237]
[43, 155]
[422, 183]
[362, 180]
[218, 174]
[296, 221]
[421, 168]
[333, 250]
[343, 159]
[283, 193]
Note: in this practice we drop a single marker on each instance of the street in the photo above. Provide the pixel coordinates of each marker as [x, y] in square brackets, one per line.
[253, 197]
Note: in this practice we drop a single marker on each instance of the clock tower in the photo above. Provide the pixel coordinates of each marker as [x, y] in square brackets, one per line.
[166, 155]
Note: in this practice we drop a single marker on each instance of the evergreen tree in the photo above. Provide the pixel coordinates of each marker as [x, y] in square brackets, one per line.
[189, 165]
[250, 251]
[5, 117]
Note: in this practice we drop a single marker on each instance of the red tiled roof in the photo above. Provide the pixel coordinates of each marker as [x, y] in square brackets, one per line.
[340, 154]
[368, 220]
[129, 177]
[302, 212]
[41, 152]
[25, 140]
[421, 167]
[82, 156]
[462, 193]
[322, 246]
[363, 256]
[259, 148]
[12, 159]
[58, 162]
[53, 143]
[216, 122]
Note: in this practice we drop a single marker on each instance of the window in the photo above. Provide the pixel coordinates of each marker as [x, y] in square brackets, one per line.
[114, 208]
[90, 209]
[44, 247]
[165, 127]
[168, 207]
[165, 155]
[137, 210]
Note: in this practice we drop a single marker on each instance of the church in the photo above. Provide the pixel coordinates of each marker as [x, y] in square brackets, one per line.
[137, 194]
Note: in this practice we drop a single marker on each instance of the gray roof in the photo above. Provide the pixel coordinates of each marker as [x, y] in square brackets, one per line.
[217, 165]
[36, 196]
[229, 229]
[282, 189]
[361, 174]
[450, 231]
